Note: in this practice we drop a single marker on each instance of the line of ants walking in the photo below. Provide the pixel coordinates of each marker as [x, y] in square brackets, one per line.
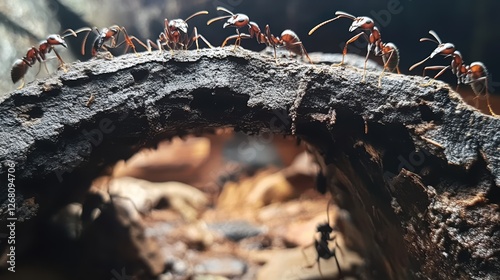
[175, 37]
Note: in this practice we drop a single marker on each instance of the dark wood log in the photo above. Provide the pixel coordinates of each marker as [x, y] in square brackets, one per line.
[416, 169]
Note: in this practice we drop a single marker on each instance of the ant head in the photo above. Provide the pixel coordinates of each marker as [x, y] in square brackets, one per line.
[178, 25]
[237, 20]
[364, 23]
[324, 228]
[56, 39]
[443, 49]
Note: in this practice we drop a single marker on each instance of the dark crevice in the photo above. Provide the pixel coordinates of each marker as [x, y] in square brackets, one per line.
[140, 75]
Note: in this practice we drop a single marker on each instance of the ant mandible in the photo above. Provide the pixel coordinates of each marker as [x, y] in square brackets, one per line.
[475, 74]
[388, 52]
[107, 38]
[34, 54]
[175, 35]
[321, 246]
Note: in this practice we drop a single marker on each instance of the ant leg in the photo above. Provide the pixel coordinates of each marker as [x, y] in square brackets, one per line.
[475, 99]
[319, 268]
[138, 41]
[130, 44]
[196, 39]
[366, 61]
[229, 38]
[206, 41]
[128, 40]
[344, 52]
[489, 105]
[199, 36]
[309, 265]
[303, 49]
[238, 40]
[151, 44]
[62, 65]
[442, 70]
[22, 83]
[488, 97]
[305, 53]
[275, 55]
[385, 67]
[341, 276]
[44, 66]
[237, 37]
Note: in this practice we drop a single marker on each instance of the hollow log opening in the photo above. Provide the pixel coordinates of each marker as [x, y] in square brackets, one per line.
[414, 171]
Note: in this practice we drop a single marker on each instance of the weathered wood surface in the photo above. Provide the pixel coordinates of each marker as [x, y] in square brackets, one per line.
[416, 169]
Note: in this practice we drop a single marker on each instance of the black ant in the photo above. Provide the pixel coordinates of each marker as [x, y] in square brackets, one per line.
[323, 251]
[34, 54]
[175, 35]
[388, 51]
[475, 74]
[107, 39]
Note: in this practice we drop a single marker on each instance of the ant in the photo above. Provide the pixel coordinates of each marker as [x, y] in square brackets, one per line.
[322, 249]
[389, 52]
[475, 74]
[175, 35]
[238, 21]
[457, 65]
[34, 54]
[107, 37]
[288, 38]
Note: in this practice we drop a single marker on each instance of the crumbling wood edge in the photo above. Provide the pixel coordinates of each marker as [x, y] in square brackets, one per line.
[416, 169]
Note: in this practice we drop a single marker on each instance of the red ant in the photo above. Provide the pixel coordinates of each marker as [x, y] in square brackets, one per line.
[388, 52]
[107, 37]
[475, 74]
[288, 38]
[20, 66]
[175, 35]
[238, 21]
[322, 249]
[447, 49]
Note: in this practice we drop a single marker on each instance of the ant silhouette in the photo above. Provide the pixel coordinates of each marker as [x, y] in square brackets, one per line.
[323, 251]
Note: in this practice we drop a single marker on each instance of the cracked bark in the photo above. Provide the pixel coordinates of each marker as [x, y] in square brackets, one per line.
[420, 186]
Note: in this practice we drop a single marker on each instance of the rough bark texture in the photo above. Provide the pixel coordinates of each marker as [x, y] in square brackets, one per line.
[416, 169]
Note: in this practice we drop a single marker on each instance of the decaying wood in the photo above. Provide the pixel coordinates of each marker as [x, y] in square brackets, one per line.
[416, 169]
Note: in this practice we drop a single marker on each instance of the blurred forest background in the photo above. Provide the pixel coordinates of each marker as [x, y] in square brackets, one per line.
[470, 25]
